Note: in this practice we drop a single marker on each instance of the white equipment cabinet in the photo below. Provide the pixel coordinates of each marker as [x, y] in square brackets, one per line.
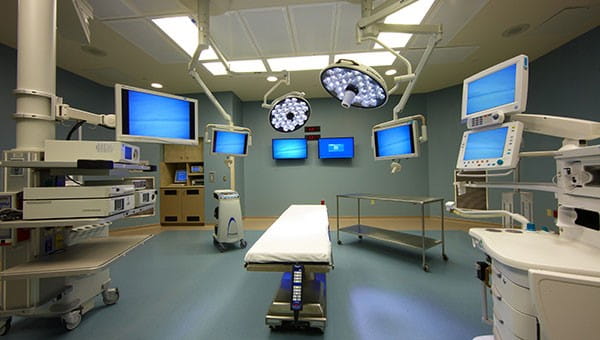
[230, 227]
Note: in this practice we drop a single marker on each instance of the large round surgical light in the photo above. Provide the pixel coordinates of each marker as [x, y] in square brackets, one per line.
[289, 113]
[354, 84]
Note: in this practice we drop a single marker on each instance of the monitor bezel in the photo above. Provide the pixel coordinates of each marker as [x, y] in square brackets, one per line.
[519, 105]
[390, 125]
[120, 136]
[326, 138]
[176, 181]
[287, 159]
[220, 129]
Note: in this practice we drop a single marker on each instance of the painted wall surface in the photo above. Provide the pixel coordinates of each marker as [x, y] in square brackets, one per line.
[271, 186]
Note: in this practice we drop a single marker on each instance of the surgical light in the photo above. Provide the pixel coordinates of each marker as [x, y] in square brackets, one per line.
[354, 84]
[289, 113]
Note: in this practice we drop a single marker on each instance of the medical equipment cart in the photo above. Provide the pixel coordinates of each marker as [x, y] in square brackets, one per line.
[420, 242]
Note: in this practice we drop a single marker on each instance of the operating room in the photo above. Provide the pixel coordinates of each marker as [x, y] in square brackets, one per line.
[210, 211]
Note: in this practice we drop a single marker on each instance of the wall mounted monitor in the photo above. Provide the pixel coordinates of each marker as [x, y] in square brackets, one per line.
[229, 142]
[154, 117]
[395, 140]
[289, 148]
[494, 148]
[500, 89]
[180, 176]
[336, 148]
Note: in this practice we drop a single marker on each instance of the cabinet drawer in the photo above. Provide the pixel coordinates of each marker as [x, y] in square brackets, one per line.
[520, 277]
[522, 325]
[501, 332]
[516, 296]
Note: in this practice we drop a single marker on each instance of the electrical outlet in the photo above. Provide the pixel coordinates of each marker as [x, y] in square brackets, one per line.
[549, 213]
[211, 176]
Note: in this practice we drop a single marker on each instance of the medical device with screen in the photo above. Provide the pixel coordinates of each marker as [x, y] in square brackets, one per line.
[233, 143]
[395, 141]
[289, 148]
[149, 116]
[340, 147]
[498, 90]
[180, 176]
[495, 148]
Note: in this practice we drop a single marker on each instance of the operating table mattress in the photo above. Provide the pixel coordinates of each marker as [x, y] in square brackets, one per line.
[299, 235]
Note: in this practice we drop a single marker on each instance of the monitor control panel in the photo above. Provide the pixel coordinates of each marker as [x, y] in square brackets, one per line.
[495, 148]
[489, 119]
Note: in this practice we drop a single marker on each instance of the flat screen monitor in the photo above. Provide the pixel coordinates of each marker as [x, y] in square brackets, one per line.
[338, 147]
[289, 148]
[494, 148]
[395, 141]
[180, 176]
[499, 89]
[232, 143]
[154, 117]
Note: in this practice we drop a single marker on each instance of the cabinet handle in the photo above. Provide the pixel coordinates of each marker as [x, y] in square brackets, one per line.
[499, 297]
[193, 192]
[170, 192]
[501, 321]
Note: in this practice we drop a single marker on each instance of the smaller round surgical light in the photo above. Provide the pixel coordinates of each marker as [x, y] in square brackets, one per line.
[391, 72]
[157, 85]
[354, 84]
[289, 113]
[271, 79]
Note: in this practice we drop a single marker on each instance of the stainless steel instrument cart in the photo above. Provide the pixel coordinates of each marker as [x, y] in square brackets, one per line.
[420, 242]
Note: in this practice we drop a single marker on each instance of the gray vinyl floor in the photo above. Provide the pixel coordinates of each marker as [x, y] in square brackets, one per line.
[178, 286]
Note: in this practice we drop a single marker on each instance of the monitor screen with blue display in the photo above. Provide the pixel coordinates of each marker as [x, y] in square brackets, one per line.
[340, 147]
[395, 142]
[180, 176]
[289, 148]
[500, 89]
[233, 143]
[149, 116]
[487, 144]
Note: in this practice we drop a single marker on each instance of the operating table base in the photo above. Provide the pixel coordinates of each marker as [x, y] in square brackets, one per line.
[313, 313]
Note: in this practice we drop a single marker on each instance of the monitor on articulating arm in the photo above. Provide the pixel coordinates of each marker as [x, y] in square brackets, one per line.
[395, 140]
[495, 92]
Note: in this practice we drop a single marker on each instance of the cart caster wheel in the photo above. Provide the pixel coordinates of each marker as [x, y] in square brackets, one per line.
[221, 247]
[110, 296]
[5, 326]
[360, 237]
[71, 320]
[426, 267]
[215, 242]
[445, 257]
[243, 243]
[339, 242]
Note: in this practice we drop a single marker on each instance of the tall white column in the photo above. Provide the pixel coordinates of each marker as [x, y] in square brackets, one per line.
[36, 71]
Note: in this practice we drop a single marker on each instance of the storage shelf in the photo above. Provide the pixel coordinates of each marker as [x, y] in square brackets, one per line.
[396, 237]
[81, 259]
[72, 222]
[81, 167]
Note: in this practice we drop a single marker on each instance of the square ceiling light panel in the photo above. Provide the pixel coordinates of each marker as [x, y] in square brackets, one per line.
[315, 62]
[369, 58]
[255, 65]
[184, 33]
[412, 14]
[215, 68]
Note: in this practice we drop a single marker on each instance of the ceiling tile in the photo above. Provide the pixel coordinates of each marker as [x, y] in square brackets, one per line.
[271, 30]
[109, 9]
[231, 36]
[313, 27]
[147, 37]
[157, 7]
[348, 15]
[440, 55]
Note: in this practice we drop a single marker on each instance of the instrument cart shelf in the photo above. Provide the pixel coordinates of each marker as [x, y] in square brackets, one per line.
[405, 239]
[83, 258]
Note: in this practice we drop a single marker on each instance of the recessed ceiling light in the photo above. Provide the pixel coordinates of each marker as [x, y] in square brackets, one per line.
[369, 58]
[215, 68]
[391, 72]
[157, 85]
[412, 14]
[271, 79]
[184, 33]
[315, 62]
[254, 65]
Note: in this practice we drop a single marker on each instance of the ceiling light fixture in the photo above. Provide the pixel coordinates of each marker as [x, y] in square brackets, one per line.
[272, 79]
[411, 14]
[369, 58]
[183, 31]
[315, 62]
[247, 66]
[289, 112]
[156, 85]
[354, 84]
[391, 72]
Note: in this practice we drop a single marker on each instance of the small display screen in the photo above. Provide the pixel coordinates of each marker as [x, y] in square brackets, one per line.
[495, 89]
[336, 147]
[395, 141]
[180, 176]
[196, 168]
[485, 144]
[230, 142]
[290, 148]
[151, 115]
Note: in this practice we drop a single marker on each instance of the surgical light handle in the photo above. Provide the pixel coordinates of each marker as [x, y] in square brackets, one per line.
[451, 207]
